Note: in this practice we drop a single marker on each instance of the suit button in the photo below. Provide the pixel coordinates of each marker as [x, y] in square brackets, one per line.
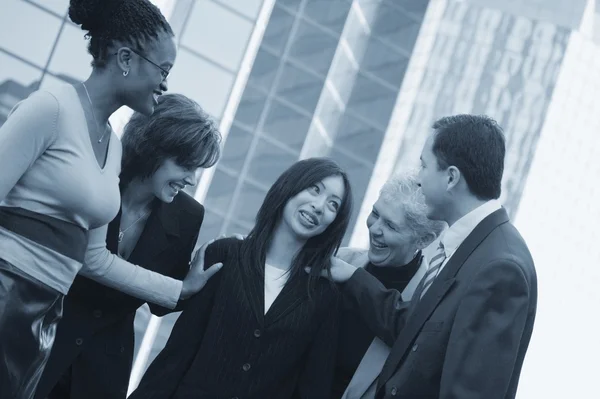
[257, 333]
[79, 341]
[122, 349]
[415, 347]
[394, 391]
[246, 367]
[97, 314]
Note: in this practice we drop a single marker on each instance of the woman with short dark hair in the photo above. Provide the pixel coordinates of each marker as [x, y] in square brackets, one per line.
[60, 162]
[263, 327]
[93, 351]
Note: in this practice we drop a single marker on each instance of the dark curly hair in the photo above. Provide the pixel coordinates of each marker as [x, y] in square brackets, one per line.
[107, 21]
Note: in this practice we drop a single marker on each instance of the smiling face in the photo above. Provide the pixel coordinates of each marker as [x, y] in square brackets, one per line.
[390, 238]
[312, 210]
[170, 179]
[146, 79]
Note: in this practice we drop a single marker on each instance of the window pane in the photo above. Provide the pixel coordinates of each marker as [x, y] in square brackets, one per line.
[221, 189]
[71, 57]
[313, 47]
[286, 125]
[206, 83]
[329, 13]
[264, 69]
[299, 87]
[384, 62]
[278, 30]
[372, 101]
[293, 5]
[217, 33]
[248, 203]
[396, 26]
[357, 137]
[17, 81]
[249, 8]
[211, 227]
[58, 6]
[236, 148]
[17, 36]
[268, 162]
[250, 107]
[237, 228]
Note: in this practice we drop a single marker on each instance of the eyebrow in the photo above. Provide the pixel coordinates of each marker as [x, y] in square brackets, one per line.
[325, 187]
[385, 218]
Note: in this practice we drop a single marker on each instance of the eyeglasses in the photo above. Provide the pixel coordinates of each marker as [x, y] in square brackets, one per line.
[164, 73]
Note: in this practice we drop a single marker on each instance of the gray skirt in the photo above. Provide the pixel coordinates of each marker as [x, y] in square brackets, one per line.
[29, 314]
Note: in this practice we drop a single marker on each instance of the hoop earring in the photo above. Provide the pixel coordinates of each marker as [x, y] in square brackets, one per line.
[125, 73]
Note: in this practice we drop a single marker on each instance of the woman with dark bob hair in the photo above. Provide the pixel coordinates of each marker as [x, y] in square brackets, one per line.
[262, 327]
[60, 162]
[156, 228]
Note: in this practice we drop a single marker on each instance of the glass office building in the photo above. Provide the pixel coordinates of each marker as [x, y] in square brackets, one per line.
[361, 81]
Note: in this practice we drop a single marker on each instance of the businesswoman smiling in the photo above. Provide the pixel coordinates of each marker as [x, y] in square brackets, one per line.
[262, 327]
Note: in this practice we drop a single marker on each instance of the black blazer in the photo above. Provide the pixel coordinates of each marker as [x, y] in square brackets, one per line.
[95, 339]
[224, 346]
[467, 337]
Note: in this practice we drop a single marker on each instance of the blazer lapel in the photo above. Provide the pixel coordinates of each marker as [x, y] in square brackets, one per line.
[253, 284]
[112, 234]
[440, 287]
[160, 232]
[292, 295]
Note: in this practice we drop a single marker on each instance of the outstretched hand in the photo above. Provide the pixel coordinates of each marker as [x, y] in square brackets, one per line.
[197, 277]
[340, 271]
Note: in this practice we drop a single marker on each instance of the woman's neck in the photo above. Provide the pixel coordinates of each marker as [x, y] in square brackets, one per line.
[284, 246]
[137, 196]
[103, 95]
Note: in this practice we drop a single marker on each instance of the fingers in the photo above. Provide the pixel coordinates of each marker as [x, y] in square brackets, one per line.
[199, 257]
[322, 274]
[211, 271]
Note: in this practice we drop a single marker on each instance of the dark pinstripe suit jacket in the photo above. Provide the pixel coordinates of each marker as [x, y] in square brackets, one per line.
[224, 346]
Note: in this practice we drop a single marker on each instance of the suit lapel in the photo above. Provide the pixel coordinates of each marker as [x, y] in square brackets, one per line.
[292, 295]
[253, 283]
[440, 287]
[160, 232]
[112, 234]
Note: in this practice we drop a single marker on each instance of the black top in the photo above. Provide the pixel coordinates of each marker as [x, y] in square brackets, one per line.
[354, 336]
[95, 337]
[224, 345]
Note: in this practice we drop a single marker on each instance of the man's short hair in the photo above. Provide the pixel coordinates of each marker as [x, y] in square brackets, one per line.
[475, 144]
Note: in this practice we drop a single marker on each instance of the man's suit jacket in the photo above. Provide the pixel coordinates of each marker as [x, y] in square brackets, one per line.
[95, 338]
[364, 381]
[224, 345]
[467, 337]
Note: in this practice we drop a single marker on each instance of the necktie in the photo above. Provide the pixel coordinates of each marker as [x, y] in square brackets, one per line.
[434, 267]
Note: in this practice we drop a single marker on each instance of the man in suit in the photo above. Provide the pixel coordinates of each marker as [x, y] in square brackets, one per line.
[399, 231]
[465, 333]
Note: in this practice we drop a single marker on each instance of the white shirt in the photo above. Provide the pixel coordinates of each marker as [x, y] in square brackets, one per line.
[275, 279]
[460, 230]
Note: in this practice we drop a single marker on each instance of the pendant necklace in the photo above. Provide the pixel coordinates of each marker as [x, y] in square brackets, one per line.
[122, 232]
[94, 115]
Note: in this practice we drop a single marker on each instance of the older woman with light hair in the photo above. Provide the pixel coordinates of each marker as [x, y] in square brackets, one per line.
[399, 233]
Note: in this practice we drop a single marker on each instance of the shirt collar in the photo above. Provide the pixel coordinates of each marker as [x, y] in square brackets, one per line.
[458, 232]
